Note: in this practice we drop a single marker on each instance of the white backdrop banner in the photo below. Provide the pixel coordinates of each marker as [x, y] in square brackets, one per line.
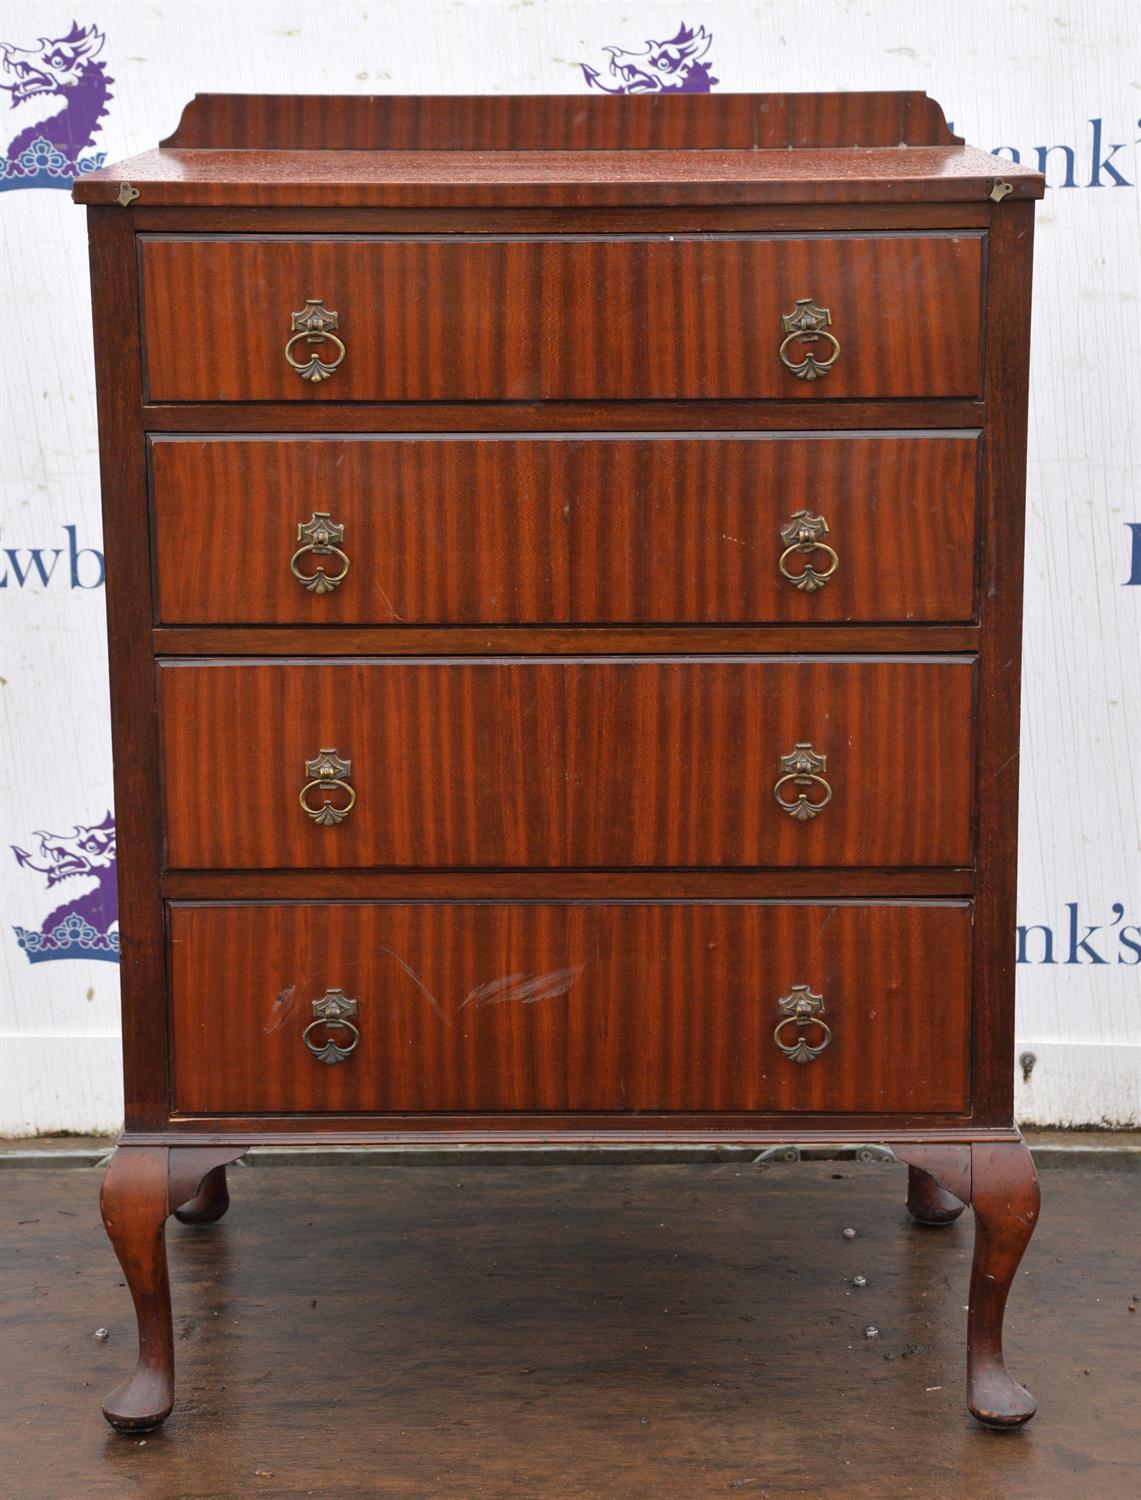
[1054, 86]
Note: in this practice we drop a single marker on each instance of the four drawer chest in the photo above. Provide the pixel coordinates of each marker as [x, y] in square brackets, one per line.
[564, 584]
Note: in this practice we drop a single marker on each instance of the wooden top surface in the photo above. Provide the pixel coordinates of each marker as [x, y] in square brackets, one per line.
[548, 150]
[434, 179]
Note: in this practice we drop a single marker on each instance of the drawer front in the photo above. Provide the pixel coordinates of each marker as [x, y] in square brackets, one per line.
[595, 763]
[468, 318]
[536, 1007]
[553, 530]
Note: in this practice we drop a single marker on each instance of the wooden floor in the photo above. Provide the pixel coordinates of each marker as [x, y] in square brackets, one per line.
[501, 1332]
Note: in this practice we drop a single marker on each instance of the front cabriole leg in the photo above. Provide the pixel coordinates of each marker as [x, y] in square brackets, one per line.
[998, 1179]
[1005, 1197]
[141, 1187]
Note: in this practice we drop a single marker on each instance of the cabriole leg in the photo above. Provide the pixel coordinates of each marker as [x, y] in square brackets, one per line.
[998, 1179]
[141, 1186]
[927, 1202]
[1005, 1198]
[210, 1202]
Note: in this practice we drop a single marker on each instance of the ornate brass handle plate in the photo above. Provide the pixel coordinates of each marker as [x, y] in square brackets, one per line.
[319, 536]
[314, 325]
[331, 1013]
[803, 769]
[801, 1009]
[327, 772]
[802, 535]
[807, 324]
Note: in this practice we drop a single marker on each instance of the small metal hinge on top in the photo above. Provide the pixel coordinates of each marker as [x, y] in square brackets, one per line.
[127, 194]
[1000, 190]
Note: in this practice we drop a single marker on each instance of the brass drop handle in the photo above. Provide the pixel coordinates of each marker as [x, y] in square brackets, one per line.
[802, 1010]
[327, 772]
[319, 536]
[805, 325]
[331, 1013]
[803, 535]
[803, 772]
[314, 325]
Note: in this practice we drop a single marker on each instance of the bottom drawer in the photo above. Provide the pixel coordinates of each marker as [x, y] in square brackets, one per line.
[615, 1006]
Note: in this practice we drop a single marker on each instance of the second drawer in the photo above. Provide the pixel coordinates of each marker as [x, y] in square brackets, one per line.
[595, 763]
[782, 528]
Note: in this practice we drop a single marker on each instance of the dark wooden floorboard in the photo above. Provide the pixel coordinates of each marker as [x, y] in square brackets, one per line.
[562, 1332]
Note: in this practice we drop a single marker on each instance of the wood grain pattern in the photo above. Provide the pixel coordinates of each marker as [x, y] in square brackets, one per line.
[669, 148]
[555, 122]
[563, 416]
[570, 1007]
[499, 531]
[700, 773]
[576, 763]
[566, 901]
[565, 640]
[423, 180]
[1003, 522]
[531, 218]
[435, 319]
[122, 469]
[563, 885]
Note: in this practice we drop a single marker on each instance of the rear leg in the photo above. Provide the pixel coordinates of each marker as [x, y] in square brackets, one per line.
[210, 1202]
[927, 1202]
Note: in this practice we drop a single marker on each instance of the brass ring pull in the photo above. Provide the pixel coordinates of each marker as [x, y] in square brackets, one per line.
[803, 535]
[332, 1012]
[810, 324]
[313, 368]
[314, 325]
[328, 814]
[328, 773]
[802, 1009]
[319, 536]
[804, 768]
[809, 580]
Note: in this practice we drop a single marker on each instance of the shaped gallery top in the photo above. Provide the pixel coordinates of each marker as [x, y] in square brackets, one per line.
[574, 151]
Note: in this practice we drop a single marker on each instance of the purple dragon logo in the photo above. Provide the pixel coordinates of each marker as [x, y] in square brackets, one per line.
[57, 96]
[87, 927]
[673, 67]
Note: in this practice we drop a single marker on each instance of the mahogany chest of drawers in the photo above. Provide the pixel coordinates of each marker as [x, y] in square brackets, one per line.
[564, 585]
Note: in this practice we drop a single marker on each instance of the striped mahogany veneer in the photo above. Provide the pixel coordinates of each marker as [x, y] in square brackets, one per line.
[504, 500]
[579, 1006]
[555, 529]
[597, 763]
[465, 318]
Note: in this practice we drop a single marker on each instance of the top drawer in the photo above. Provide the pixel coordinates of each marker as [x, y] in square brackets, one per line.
[581, 317]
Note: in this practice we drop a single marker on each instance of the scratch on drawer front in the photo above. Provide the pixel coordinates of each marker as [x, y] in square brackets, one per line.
[282, 1008]
[524, 988]
[418, 982]
[388, 604]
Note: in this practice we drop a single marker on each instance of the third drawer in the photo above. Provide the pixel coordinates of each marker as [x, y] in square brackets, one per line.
[583, 763]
